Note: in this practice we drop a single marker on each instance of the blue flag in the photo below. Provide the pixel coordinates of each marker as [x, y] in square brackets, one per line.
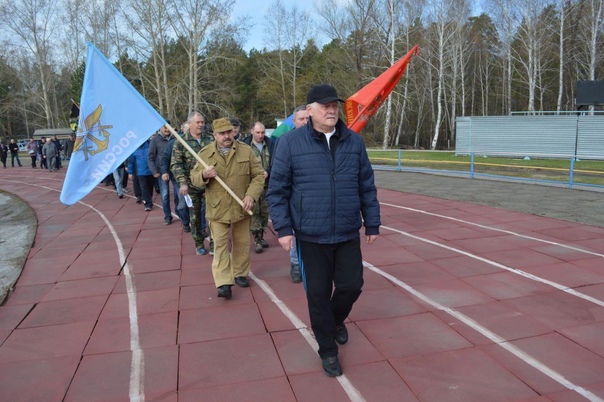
[114, 121]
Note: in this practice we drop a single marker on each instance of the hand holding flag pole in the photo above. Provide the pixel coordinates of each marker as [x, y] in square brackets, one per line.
[205, 165]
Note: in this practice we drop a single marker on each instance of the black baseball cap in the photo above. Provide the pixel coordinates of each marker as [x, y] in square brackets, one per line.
[234, 121]
[322, 94]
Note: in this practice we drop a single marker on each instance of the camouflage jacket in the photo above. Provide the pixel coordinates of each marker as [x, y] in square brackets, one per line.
[183, 162]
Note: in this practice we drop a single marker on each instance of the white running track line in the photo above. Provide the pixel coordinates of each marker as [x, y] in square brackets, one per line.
[137, 371]
[495, 229]
[491, 336]
[350, 390]
[505, 267]
[136, 376]
[137, 363]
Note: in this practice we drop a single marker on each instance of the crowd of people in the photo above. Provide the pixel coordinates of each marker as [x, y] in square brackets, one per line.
[315, 182]
[45, 153]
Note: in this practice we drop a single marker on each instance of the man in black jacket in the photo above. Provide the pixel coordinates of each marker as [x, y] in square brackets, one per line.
[322, 188]
[156, 149]
[13, 147]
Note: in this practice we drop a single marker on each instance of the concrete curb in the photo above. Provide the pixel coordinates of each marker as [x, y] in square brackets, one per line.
[18, 226]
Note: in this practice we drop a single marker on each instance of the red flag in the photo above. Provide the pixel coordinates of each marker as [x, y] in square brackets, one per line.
[366, 101]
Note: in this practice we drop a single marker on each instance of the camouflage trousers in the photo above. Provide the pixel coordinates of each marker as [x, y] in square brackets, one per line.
[197, 217]
[260, 217]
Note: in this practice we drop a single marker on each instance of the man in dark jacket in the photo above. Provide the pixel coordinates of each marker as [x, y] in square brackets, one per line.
[156, 149]
[180, 205]
[13, 147]
[322, 189]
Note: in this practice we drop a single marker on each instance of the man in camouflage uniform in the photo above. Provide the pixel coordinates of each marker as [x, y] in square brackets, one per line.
[260, 147]
[181, 165]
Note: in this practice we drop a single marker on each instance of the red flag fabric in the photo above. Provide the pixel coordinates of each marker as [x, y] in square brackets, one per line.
[366, 101]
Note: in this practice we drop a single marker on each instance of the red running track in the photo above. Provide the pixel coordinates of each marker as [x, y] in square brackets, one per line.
[461, 302]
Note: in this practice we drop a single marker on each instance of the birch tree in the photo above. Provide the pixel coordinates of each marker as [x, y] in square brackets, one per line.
[352, 23]
[285, 33]
[444, 25]
[32, 22]
[193, 20]
[149, 21]
[506, 18]
[590, 37]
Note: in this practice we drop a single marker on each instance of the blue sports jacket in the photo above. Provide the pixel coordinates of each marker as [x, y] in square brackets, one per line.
[138, 160]
[323, 196]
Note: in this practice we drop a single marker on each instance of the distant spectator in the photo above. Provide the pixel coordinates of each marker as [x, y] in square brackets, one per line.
[13, 147]
[68, 149]
[32, 151]
[49, 150]
[59, 148]
[43, 162]
[3, 154]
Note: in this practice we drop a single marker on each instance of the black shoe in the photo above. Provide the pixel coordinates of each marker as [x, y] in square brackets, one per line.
[295, 274]
[331, 366]
[225, 291]
[242, 282]
[258, 247]
[341, 334]
[168, 220]
[139, 200]
[148, 208]
[186, 228]
[120, 196]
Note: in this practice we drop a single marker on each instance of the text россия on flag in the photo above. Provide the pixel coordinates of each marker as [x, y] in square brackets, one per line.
[114, 121]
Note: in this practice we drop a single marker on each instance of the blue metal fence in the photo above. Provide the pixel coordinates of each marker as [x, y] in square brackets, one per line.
[471, 172]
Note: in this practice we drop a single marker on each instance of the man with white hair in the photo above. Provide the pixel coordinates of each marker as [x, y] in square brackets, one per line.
[322, 189]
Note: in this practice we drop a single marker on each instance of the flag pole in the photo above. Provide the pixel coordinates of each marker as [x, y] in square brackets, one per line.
[205, 165]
